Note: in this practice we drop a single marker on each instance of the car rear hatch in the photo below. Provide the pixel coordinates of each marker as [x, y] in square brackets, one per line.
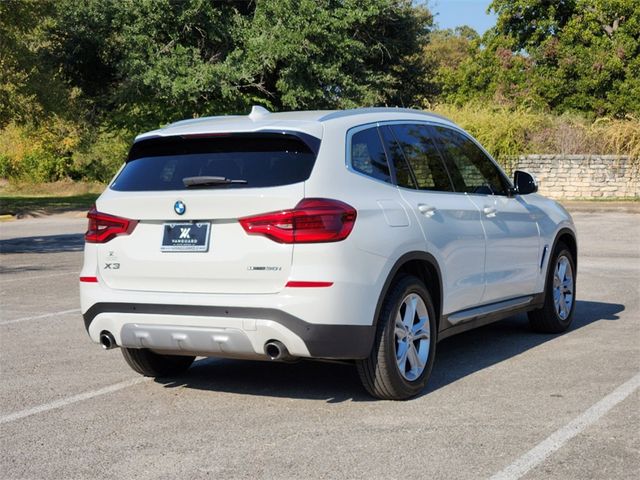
[188, 238]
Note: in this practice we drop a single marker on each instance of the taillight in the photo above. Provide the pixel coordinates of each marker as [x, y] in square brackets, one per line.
[313, 220]
[104, 227]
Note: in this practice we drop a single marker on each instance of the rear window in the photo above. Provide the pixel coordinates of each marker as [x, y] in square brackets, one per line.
[258, 160]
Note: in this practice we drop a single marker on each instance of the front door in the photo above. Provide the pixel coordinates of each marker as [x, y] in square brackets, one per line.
[512, 236]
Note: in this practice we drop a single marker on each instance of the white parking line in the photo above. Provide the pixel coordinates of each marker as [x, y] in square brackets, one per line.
[37, 317]
[69, 400]
[557, 439]
[36, 277]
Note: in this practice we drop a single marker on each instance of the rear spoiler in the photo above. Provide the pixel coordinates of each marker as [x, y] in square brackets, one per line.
[142, 148]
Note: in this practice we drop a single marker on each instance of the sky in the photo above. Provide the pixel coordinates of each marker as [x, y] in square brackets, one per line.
[454, 13]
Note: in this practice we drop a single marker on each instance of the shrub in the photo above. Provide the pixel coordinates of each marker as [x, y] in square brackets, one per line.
[620, 136]
[506, 133]
[101, 155]
[503, 132]
[58, 149]
[39, 153]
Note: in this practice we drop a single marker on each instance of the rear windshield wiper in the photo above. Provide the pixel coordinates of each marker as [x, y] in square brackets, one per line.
[206, 181]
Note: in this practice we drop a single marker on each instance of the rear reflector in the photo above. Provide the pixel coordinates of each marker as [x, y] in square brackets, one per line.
[104, 227]
[89, 279]
[313, 220]
[298, 284]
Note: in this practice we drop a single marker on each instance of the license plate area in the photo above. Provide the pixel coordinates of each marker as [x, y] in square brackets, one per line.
[186, 237]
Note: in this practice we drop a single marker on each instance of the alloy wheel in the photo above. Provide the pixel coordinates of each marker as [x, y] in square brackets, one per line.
[563, 287]
[412, 337]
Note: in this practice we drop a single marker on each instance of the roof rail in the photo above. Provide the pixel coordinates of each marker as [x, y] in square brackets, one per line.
[363, 111]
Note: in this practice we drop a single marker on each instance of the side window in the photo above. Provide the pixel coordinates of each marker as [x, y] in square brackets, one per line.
[470, 169]
[404, 175]
[368, 156]
[414, 143]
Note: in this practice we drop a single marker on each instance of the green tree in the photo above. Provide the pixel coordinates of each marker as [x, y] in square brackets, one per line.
[443, 54]
[141, 63]
[531, 22]
[585, 51]
[567, 55]
[78, 78]
[23, 79]
[333, 53]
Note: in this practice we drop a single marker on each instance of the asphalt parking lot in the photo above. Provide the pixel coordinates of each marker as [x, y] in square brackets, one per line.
[502, 401]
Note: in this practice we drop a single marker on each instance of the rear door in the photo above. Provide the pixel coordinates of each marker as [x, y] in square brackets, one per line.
[513, 241]
[450, 222]
[188, 239]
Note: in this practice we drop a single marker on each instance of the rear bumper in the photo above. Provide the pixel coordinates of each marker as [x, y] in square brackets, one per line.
[328, 322]
[239, 332]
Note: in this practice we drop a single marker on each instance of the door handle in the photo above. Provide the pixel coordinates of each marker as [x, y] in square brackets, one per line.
[489, 211]
[426, 210]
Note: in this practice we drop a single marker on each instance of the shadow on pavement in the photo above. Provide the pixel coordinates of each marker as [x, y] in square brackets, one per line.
[475, 350]
[331, 382]
[456, 358]
[6, 270]
[71, 242]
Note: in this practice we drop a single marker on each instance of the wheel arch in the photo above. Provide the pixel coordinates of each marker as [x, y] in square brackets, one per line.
[422, 265]
[568, 237]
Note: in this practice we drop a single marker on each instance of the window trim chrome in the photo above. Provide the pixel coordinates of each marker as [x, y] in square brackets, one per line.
[358, 128]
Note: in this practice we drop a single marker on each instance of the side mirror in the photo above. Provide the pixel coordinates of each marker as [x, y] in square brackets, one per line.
[524, 182]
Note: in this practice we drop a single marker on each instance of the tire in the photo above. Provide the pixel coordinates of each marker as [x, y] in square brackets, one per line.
[151, 364]
[560, 295]
[383, 373]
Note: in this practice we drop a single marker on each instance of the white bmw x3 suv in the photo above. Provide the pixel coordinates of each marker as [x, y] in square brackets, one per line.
[363, 235]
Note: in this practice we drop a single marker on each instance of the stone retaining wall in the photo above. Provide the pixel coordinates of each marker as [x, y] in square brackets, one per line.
[582, 176]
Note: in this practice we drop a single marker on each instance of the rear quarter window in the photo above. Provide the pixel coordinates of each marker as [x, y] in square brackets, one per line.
[261, 160]
[368, 155]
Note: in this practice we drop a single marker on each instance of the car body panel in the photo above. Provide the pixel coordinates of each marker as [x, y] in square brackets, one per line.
[480, 259]
[512, 246]
[463, 253]
[234, 261]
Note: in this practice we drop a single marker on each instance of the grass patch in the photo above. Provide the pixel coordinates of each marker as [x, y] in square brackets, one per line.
[62, 188]
[45, 205]
[25, 198]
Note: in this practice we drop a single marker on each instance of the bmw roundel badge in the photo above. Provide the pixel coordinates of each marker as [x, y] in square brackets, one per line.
[179, 207]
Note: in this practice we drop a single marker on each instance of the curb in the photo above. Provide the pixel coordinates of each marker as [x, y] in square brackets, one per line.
[582, 206]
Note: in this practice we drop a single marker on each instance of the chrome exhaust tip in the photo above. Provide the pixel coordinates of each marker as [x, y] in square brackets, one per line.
[107, 341]
[276, 350]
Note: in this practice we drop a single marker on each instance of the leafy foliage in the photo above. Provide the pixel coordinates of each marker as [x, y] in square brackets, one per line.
[144, 62]
[19, 74]
[443, 54]
[41, 153]
[332, 54]
[141, 63]
[79, 78]
[506, 132]
[569, 55]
